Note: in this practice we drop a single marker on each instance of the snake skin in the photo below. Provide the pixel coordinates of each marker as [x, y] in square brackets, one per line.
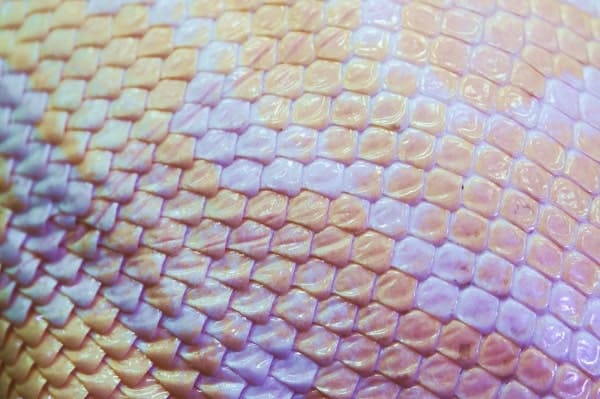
[285, 199]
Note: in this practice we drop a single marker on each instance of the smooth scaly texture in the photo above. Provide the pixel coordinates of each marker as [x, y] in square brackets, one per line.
[299, 199]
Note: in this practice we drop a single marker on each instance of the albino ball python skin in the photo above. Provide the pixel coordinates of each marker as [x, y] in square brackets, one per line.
[299, 199]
